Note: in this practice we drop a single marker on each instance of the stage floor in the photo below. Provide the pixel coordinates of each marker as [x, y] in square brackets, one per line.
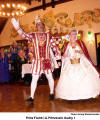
[12, 99]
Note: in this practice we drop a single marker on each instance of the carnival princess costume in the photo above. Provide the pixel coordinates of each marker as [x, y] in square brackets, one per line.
[79, 78]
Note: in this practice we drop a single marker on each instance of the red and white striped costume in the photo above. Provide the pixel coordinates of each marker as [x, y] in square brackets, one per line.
[42, 61]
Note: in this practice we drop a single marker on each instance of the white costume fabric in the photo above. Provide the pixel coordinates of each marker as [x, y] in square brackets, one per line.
[77, 81]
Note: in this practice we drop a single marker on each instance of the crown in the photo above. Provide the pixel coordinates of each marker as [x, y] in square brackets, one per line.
[37, 19]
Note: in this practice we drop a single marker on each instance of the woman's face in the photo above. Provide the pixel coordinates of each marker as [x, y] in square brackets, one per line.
[40, 27]
[73, 36]
[2, 50]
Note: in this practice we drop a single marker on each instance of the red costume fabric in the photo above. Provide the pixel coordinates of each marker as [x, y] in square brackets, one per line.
[42, 42]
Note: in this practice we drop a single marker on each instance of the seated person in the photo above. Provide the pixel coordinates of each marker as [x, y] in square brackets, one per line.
[21, 59]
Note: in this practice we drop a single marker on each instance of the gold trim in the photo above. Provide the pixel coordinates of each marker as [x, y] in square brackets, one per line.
[37, 46]
[47, 46]
[34, 46]
[75, 61]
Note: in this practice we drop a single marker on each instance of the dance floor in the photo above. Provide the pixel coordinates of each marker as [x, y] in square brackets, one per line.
[12, 99]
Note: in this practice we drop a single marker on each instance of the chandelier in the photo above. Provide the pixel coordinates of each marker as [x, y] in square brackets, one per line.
[12, 9]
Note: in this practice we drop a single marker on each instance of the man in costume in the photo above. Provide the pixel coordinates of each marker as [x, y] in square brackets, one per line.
[42, 53]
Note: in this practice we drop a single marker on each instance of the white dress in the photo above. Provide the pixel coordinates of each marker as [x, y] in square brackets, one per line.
[77, 81]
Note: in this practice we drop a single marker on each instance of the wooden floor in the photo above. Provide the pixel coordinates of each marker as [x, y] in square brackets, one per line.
[12, 99]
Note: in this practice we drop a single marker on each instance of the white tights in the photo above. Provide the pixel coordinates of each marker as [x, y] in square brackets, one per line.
[34, 83]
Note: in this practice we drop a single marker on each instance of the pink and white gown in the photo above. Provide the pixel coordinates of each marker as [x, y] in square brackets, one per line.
[77, 81]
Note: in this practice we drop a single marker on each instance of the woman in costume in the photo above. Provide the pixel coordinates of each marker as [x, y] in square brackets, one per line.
[79, 78]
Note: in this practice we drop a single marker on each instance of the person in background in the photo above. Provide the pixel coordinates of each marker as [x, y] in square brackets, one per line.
[4, 67]
[14, 53]
[14, 50]
[21, 59]
[9, 59]
[30, 56]
[26, 50]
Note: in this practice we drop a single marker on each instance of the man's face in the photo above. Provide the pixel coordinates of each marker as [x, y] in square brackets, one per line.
[20, 53]
[14, 44]
[2, 50]
[40, 27]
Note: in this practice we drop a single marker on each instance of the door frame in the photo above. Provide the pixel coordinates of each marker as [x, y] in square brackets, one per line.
[96, 43]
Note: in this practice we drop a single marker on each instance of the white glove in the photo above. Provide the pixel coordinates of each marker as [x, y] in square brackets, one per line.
[66, 37]
[58, 57]
[53, 59]
[15, 23]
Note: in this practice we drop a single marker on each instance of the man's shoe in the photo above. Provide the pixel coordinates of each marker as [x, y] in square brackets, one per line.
[51, 97]
[30, 100]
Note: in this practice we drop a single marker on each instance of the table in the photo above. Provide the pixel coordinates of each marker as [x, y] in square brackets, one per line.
[26, 69]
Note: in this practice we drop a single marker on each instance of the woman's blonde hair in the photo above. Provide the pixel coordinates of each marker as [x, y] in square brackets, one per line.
[74, 30]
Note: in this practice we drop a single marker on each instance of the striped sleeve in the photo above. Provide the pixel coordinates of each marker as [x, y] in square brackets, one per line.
[24, 35]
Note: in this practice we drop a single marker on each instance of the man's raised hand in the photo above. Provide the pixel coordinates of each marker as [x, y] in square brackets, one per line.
[15, 23]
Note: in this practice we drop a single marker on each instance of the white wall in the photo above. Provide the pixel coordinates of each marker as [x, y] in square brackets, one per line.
[75, 6]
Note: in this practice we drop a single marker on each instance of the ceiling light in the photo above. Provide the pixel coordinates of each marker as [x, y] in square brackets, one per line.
[11, 9]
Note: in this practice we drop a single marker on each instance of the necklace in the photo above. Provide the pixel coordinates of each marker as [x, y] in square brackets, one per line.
[41, 38]
[73, 44]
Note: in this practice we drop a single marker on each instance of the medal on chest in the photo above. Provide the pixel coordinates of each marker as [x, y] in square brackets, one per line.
[41, 39]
